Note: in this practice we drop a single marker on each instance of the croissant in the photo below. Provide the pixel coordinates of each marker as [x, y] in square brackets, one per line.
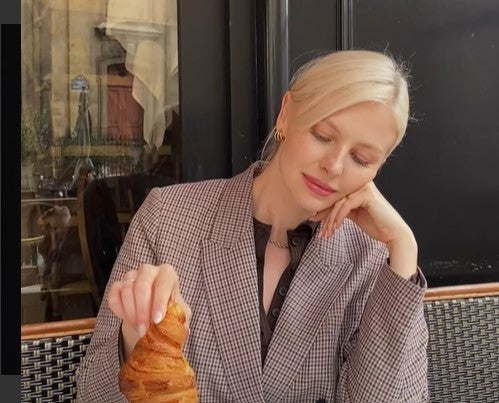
[156, 370]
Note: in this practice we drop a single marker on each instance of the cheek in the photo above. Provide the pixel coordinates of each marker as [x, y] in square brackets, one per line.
[301, 148]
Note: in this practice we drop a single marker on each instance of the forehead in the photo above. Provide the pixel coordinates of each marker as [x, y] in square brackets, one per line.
[371, 123]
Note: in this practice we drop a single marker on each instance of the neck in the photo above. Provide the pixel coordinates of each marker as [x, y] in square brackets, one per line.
[273, 204]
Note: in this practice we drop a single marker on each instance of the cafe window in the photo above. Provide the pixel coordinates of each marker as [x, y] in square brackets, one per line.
[100, 128]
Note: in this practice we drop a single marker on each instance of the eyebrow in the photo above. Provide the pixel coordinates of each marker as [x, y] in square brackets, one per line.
[363, 145]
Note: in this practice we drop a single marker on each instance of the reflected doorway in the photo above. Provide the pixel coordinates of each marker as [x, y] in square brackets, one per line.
[124, 114]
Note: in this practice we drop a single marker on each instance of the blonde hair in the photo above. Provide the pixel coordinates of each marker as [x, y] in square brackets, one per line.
[341, 79]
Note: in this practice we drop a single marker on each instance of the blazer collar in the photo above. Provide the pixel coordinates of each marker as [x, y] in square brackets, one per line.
[235, 213]
[229, 270]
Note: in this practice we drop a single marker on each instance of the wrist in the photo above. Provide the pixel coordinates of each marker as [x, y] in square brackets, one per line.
[403, 252]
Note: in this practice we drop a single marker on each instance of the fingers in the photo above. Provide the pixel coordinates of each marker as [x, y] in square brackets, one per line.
[160, 304]
[331, 223]
[166, 282]
[142, 296]
[352, 202]
[320, 215]
[343, 208]
[114, 300]
[127, 297]
[367, 208]
[115, 295]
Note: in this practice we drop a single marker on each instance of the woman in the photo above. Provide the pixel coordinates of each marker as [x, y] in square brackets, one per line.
[301, 278]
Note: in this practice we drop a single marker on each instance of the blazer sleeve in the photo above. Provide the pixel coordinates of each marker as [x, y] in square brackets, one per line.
[97, 376]
[385, 360]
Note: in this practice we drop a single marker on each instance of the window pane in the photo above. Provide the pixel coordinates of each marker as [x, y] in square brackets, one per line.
[100, 125]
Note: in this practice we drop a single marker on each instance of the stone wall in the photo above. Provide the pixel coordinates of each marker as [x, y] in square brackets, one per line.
[59, 42]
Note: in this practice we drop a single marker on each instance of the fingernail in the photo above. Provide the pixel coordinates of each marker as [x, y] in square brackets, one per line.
[142, 330]
[158, 317]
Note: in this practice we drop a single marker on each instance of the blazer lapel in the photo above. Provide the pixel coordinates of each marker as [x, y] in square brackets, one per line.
[229, 270]
[317, 283]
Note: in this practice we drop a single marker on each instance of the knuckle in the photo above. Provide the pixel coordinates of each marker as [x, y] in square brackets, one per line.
[114, 287]
[147, 268]
[114, 304]
[141, 288]
[171, 272]
[141, 316]
[111, 301]
[131, 273]
[143, 267]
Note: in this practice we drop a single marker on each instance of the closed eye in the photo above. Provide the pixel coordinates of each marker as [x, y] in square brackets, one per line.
[359, 160]
[320, 137]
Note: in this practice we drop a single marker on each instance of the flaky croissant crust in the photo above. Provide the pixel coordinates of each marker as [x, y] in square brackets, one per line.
[157, 371]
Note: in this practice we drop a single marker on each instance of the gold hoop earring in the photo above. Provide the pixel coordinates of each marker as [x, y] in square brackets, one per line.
[278, 136]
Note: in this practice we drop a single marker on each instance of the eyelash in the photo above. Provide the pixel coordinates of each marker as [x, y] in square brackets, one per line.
[319, 137]
[355, 158]
[360, 161]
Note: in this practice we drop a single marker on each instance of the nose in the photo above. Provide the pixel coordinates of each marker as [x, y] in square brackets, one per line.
[333, 163]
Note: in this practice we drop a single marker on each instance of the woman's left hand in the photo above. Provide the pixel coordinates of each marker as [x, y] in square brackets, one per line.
[369, 209]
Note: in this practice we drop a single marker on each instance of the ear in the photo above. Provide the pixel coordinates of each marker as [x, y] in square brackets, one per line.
[283, 115]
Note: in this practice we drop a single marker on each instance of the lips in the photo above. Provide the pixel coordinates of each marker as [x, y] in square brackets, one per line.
[317, 187]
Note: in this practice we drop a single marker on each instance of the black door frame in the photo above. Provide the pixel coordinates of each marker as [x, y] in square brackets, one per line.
[235, 60]
[217, 80]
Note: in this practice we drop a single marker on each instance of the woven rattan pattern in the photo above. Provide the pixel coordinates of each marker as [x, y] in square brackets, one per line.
[462, 353]
[48, 368]
[463, 350]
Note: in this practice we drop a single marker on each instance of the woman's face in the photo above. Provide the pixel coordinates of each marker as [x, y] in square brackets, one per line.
[337, 156]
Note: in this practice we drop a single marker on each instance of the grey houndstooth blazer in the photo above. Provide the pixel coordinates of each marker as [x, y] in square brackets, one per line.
[350, 329]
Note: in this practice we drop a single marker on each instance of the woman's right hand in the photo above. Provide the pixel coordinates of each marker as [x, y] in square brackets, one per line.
[142, 296]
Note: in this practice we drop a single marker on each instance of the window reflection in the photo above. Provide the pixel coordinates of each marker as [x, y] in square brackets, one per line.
[100, 126]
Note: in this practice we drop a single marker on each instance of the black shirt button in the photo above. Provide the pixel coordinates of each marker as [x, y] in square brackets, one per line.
[283, 291]
[295, 241]
[275, 312]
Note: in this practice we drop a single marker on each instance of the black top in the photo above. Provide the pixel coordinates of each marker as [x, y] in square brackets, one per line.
[298, 240]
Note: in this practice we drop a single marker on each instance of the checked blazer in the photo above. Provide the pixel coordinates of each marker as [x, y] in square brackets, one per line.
[350, 329]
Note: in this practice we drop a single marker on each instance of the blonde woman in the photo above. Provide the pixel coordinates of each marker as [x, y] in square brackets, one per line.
[299, 278]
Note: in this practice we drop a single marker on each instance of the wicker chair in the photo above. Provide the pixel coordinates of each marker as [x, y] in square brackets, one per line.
[50, 354]
[463, 350]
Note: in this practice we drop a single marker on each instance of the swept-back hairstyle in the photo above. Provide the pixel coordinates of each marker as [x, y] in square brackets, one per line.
[341, 79]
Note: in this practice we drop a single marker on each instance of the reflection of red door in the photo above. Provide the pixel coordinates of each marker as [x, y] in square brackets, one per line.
[124, 114]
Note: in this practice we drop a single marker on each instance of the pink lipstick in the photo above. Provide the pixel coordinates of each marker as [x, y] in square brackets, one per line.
[317, 187]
